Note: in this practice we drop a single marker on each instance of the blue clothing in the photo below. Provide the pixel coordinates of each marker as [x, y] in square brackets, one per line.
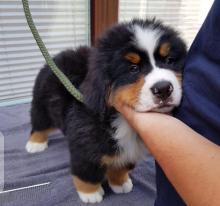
[200, 108]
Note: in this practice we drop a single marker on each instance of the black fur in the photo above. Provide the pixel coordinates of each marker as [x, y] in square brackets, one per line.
[94, 71]
[50, 98]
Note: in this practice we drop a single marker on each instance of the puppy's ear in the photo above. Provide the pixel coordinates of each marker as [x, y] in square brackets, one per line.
[95, 90]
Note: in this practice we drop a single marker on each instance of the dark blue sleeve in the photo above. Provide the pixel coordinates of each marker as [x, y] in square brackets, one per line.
[200, 107]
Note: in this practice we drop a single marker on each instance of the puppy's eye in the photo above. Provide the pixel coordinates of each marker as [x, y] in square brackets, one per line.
[170, 60]
[134, 68]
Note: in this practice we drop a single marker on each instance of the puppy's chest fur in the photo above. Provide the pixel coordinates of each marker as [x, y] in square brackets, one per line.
[129, 146]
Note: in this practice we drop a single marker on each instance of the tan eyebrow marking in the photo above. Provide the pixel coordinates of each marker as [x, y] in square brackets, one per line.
[133, 57]
[165, 49]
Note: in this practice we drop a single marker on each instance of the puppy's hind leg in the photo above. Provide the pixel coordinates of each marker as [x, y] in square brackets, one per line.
[41, 127]
[38, 141]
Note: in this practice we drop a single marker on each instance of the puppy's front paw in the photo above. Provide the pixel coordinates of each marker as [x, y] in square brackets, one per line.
[33, 147]
[94, 197]
[126, 187]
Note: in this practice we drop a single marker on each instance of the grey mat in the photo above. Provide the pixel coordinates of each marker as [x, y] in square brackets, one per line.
[22, 169]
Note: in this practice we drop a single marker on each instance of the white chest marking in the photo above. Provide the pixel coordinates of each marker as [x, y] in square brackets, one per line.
[131, 148]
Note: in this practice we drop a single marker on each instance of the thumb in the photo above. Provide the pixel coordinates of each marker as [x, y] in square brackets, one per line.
[128, 113]
[137, 120]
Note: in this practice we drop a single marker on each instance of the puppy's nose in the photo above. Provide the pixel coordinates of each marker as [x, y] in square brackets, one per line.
[162, 89]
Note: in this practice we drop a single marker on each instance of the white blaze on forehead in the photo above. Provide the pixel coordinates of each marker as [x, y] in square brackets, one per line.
[147, 40]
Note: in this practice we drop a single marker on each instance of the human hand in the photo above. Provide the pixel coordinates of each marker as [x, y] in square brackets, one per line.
[145, 123]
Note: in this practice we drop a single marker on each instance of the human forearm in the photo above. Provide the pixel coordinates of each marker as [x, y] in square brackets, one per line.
[190, 161]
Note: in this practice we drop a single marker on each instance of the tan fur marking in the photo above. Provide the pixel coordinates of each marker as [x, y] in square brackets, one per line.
[40, 136]
[85, 187]
[164, 49]
[133, 57]
[117, 176]
[179, 76]
[108, 160]
[128, 94]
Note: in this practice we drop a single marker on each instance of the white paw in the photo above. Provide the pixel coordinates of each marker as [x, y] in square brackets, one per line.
[33, 147]
[94, 197]
[125, 188]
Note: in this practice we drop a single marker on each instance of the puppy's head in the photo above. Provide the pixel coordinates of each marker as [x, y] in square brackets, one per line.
[138, 64]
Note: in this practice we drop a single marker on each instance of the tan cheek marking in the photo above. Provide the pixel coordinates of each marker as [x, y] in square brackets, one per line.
[179, 77]
[164, 49]
[133, 57]
[85, 187]
[128, 94]
[117, 176]
[40, 136]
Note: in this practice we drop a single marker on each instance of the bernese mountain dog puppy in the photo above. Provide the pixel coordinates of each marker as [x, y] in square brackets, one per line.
[139, 64]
